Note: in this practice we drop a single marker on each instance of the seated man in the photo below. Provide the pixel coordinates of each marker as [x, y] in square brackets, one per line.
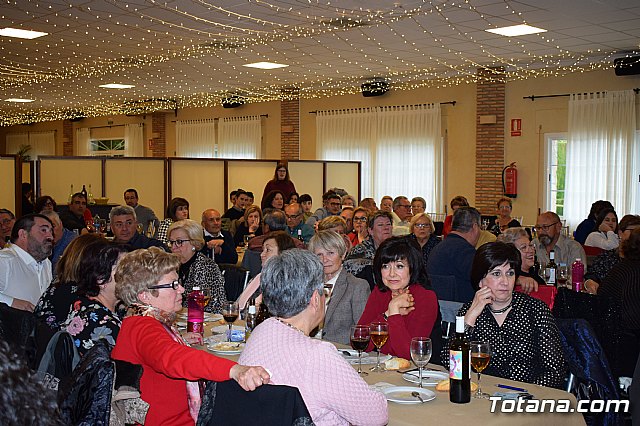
[454, 255]
[124, 226]
[25, 270]
[237, 210]
[7, 219]
[219, 244]
[330, 207]
[347, 215]
[293, 213]
[73, 219]
[275, 220]
[549, 230]
[61, 238]
[401, 215]
[144, 215]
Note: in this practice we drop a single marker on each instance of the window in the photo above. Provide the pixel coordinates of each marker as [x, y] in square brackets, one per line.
[556, 167]
[108, 147]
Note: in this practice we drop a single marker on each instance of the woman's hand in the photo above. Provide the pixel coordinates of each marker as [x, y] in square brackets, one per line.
[249, 378]
[401, 303]
[193, 338]
[254, 223]
[528, 284]
[482, 298]
[591, 287]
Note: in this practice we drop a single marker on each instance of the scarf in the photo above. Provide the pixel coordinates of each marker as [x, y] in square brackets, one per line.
[167, 319]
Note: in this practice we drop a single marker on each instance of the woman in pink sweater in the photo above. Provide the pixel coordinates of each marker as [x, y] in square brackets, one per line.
[292, 285]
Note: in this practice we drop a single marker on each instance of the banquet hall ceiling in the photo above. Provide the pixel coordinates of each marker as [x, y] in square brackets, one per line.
[191, 52]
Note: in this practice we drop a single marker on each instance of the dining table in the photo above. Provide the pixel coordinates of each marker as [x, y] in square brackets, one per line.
[440, 410]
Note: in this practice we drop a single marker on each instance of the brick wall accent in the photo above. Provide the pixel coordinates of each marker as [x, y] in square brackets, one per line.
[290, 125]
[67, 138]
[158, 127]
[490, 101]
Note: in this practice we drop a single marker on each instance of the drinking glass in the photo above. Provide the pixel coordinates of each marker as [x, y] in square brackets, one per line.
[379, 332]
[230, 313]
[246, 241]
[480, 356]
[563, 275]
[359, 341]
[420, 353]
[139, 228]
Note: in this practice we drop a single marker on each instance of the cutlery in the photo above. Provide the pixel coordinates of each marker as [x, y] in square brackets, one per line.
[417, 395]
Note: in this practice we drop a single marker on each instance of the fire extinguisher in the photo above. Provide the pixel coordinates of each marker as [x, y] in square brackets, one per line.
[510, 181]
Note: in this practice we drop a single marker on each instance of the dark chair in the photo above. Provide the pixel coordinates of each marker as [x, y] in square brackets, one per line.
[16, 327]
[448, 299]
[57, 357]
[235, 279]
[251, 261]
[226, 403]
[439, 226]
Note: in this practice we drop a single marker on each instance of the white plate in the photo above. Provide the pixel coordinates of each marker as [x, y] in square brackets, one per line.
[429, 377]
[367, 358]
[402, 394]
[224, 348]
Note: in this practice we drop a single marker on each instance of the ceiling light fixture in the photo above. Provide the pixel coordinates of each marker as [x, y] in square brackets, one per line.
[18, 100]
[18, 33]
[117, 86]
[516, 30]
[265, 65]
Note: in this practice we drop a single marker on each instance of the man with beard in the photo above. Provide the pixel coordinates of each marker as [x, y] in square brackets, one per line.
[25, 271]
[549, 230]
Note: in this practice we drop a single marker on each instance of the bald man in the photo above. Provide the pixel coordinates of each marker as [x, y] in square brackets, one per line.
[219, 243]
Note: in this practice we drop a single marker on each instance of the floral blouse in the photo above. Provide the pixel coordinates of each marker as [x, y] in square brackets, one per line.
[90, 321]
[55, 303]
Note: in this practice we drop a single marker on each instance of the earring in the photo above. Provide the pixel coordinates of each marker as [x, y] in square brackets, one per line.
[193, 249]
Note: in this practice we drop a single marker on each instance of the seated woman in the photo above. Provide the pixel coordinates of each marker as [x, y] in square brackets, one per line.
[276, 243]
[186, 238]
[331, 388]
[360, 229]
[606, 234]
[421, 230]
[527, 278]
[94, 316]
[56, 302]
[147, 283]
[504, 220]
[456, 202]
[45, 204]
[401, 297]
[347, 293]
[273, 201]
[523, 333]
[603, 264]
[251, 225]
[336, 224]
[178, 209]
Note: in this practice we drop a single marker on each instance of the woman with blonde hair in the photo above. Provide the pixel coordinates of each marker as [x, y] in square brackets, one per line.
[421, 230]
[186, 238]
[251, 225]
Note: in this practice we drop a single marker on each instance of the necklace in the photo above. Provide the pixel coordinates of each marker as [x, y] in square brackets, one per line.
[290, 325]
[499, 311]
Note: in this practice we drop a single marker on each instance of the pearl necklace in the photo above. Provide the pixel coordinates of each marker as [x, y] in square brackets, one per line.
[290, 325]
[501, 310]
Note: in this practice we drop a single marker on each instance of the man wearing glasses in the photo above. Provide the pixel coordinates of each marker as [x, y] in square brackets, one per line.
[331, 203]
[124, 226]
[293, 213]
[401, 215]
[549, 237]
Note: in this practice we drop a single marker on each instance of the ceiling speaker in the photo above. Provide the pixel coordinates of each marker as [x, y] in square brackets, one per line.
[233, 102]
[627, 66]
[374, 88]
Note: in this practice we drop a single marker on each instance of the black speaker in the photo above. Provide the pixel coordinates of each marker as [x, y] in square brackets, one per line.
[233, 102]
[374, 88]
[627, 66]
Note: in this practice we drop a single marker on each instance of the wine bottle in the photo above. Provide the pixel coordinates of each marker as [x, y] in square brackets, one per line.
[263, 314]
[250, 319]
[300, 235]
[536, 264]
[459, 365]
[552, 270]
[90, 199]
[70, 194]
[84, 192]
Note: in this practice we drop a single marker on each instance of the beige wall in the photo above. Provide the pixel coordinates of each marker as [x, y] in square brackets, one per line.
[8, 179]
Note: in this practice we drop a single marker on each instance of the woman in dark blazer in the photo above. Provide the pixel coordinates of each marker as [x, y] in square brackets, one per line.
[345, 295]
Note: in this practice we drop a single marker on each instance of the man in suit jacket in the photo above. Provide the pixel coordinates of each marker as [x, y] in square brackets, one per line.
[219, 243]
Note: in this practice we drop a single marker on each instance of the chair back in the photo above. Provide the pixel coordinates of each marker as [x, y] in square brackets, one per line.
[251, 261]
[58, 359]
[592, 251]
[16, 327]
[444, 286]
[235, 279]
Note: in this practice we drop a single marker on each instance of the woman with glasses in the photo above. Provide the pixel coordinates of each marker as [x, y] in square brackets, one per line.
[147, 282]
[360, 229]
[45, 204]
[421, 230]
[178, 209]
[504, 220]
[186, 238]
[527, 279]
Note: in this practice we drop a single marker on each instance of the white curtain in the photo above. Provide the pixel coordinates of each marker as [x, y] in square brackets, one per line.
[83, 141]
[195, 138]
[42, 143]
[240, 137]
[134, 140]
[403, 145]
[599, 146]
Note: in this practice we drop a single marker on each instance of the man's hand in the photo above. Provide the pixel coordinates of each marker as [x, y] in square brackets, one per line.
[23, 305]
[528, 284]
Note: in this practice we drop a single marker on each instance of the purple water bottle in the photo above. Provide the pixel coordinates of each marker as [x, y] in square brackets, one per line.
[577, 274]
[195, 313]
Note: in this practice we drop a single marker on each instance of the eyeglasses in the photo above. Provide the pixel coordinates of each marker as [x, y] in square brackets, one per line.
[544, 228]
[406, 206]
[526, 247]
[6, 221]
[360, 219]
[174, 285]
[292, 216]
[422, 225]
[177, 243]
[334, 204]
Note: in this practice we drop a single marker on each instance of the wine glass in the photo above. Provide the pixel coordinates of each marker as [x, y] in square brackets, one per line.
[563, 275]
[480, 356]
[379, 332]
[230, 313]
[420, 353]
[246, 241]
[359, 341]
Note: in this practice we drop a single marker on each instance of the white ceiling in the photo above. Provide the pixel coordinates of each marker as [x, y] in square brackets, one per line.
[192, 51]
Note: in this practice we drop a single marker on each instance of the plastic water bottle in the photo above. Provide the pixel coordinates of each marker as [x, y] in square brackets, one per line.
[195, 314]
[577, 274]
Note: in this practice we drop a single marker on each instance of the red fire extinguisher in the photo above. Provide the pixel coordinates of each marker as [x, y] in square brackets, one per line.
[510, 180]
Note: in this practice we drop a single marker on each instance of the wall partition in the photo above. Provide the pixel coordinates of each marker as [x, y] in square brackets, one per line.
[10, 178]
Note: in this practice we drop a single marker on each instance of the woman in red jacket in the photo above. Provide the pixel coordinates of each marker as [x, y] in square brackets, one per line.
[147, 282]
[401, 296]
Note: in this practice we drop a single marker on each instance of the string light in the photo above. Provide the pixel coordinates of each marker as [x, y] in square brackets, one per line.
[162, 40]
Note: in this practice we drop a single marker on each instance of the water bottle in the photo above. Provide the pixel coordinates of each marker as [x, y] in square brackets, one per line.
[195, 314]
[577, 274]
